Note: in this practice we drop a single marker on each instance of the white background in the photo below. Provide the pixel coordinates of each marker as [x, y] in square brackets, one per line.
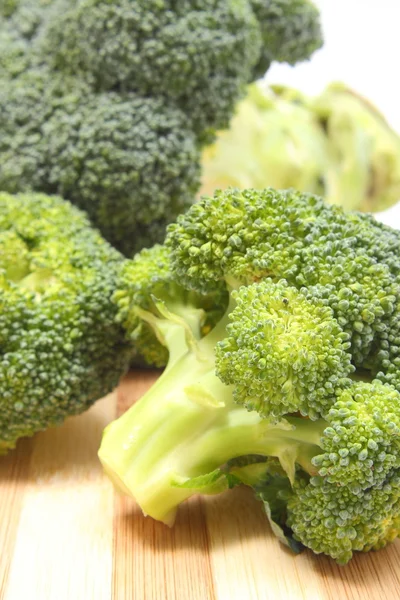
[362, 49]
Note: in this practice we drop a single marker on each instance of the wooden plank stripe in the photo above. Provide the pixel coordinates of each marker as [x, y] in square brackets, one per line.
[63, 548]
[154, 562]
[368, 576]
[14, 473]
[242, 544]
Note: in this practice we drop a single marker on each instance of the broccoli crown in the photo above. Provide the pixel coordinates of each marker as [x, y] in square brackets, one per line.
[60, 345]
[283, 353]
[108, 103]
[291, 31]
[346, 260]
[198, 54]
[352, 501]
[8, 7]
[61, 138]
[362, 443]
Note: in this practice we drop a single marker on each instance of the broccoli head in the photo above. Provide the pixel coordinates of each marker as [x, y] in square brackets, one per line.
[109, 103]
[61, 138]
[293, 391]
[61, 347]
[197, 54]
[291, 31]
[345, 260]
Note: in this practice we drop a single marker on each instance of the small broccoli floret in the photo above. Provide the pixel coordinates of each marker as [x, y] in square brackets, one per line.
[291, 31]
[246, 235]
[362, 443]
[13, 55]
[8, 7]
[61, 347]
[136, 139]
[283, 353]
[347, 506]
[27, 104]
[337, 521]
[148, 279]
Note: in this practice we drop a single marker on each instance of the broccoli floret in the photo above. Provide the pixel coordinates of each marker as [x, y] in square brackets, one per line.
[290, 391]
[334, 520]
[148, 278]
[61, 347]
[291, 31]
[248, 235]
[7, 7]
[295, 351]
[362, 443]
[109, 103]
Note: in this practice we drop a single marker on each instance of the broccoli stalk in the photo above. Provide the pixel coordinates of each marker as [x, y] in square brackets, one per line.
[167, 446]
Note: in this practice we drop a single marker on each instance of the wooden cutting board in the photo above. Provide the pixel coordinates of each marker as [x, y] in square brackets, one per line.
[65, 534]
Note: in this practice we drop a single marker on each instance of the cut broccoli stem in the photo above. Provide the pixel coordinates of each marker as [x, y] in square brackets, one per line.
[187, 425]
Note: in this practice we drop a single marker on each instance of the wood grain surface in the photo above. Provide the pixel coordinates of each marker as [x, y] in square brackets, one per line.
[65, 534]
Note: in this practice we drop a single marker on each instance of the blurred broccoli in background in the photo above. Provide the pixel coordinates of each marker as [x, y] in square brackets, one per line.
[337, 145]
[290, 31]
[108, 104]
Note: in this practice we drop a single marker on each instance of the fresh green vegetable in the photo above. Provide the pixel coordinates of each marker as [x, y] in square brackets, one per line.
[336, 145]
[290, 31]
[295, 391]
[61, 347]
[109, 103]
[149, 276]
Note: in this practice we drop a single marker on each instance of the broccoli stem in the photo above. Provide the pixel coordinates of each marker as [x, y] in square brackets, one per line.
[187, 425]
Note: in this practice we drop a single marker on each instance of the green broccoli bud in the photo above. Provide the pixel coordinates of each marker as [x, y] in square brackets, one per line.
[148, 278]
[134, 47]
[362, 443]
[283, 353]
[338, 520]
[346, 260]
[97, 151]
[291, 31]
